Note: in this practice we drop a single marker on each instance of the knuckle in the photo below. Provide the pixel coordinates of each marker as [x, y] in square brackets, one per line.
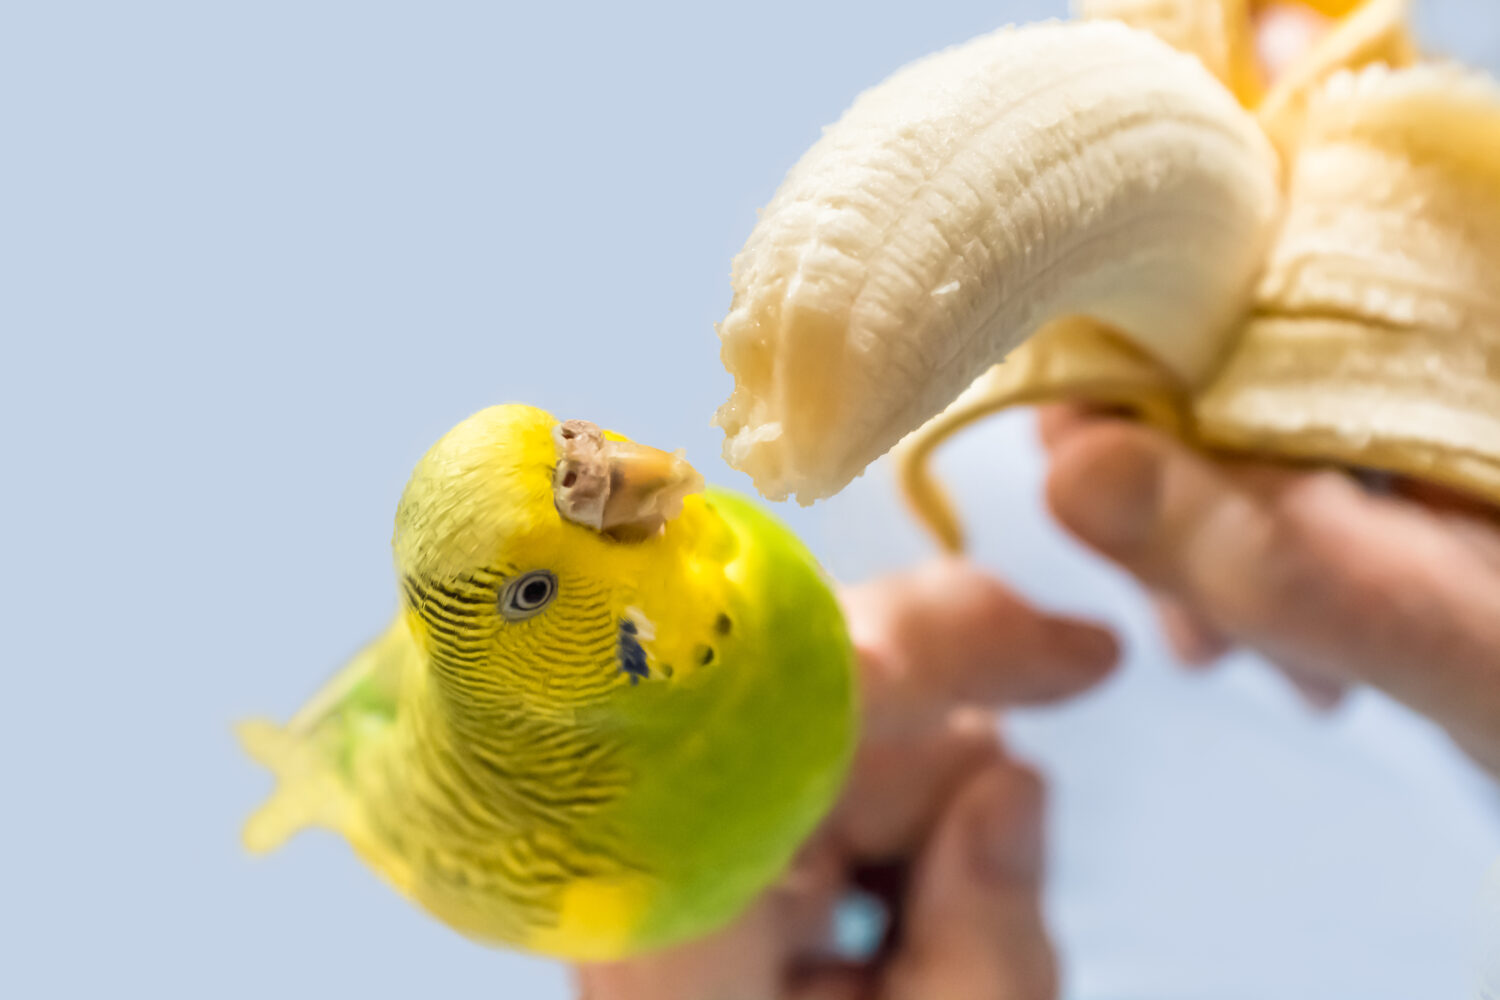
[1276, 575]
[1025, 787]
[973, 736]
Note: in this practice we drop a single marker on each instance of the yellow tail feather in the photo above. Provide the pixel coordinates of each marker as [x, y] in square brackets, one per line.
[307, 792]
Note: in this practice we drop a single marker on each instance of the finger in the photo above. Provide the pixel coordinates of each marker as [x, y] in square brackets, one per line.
[746, 961]
[949, 634]
[897, 789]
[1482, 748]
[808, 894]
[1193, 637]
[1441, 498]
[1057, 421]
[1198, 644]
[1320, 693]
[973, 928]
[1305, 566]
[1284, 32]
[834, 982]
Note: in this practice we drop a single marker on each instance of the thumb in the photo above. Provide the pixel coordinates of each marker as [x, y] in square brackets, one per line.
[973, 927]
[1304, 566]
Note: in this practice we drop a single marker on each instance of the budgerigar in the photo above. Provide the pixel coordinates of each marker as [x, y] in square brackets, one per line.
[610, 708]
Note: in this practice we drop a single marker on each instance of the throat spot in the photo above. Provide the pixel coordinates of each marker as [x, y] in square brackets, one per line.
[630, 652]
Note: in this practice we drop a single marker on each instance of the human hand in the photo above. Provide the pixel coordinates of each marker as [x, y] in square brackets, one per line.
[1333, 583]
[935, 820]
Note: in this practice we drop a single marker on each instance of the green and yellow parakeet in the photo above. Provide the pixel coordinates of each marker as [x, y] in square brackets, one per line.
[611, 707]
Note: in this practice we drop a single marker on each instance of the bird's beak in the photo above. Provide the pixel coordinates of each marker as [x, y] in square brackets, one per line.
[619, 488]
[646, 487]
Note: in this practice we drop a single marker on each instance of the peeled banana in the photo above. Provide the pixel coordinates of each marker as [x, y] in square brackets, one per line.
[1303, 267]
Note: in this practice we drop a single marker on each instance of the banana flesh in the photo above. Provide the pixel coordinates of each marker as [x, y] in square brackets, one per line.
[1030, 175]
[1112, 223]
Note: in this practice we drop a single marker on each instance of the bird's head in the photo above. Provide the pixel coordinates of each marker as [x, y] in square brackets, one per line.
[513, 540]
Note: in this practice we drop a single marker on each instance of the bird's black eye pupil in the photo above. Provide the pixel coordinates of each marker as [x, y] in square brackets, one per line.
[527, 595]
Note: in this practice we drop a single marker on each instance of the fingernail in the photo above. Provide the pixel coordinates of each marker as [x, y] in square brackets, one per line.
[1090, 647]
[1116, 500]
[1321, 694]
[1197, 643]
[1009, 834]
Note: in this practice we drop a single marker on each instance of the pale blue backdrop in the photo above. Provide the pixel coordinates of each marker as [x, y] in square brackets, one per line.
[255, 257]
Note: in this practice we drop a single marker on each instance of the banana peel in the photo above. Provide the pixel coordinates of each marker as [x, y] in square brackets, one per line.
[1304, 270]
[1375, 335]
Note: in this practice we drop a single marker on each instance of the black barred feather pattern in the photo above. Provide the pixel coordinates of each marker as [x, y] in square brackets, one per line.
[494, 795]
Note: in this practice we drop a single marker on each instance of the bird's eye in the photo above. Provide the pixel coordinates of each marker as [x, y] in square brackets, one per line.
[527, 594]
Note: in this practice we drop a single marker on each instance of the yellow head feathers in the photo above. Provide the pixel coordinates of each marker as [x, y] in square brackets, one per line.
[505, 567]
[483, 490]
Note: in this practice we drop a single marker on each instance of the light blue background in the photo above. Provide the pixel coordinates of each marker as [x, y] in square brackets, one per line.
[255, 257]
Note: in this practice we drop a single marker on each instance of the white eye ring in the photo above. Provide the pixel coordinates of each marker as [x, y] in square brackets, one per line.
[527, 594]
